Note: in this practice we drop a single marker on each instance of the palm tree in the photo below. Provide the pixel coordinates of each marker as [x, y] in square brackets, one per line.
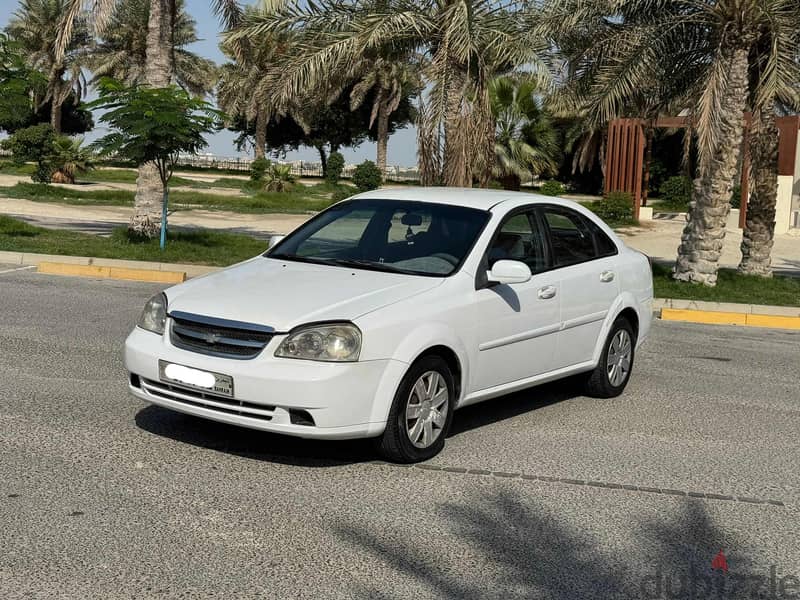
[122, 51]
[525, 141]
[392, 80]
[465, 44]
[240, 90]
[692, 52]
[160, 69]
[35, 27]
[774, 79]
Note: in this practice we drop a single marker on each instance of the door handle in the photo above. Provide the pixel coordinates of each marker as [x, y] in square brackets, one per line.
[607, 276]
[547, 292]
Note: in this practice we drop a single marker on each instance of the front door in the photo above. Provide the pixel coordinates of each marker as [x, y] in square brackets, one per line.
[517, 325]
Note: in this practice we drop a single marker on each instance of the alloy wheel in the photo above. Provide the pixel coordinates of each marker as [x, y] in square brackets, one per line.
[426, 409]
[618, 361]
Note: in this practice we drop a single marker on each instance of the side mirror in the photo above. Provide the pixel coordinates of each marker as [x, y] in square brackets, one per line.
[509, 271]
[275, 239]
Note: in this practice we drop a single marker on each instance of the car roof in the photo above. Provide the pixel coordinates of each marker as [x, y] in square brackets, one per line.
[479, 198]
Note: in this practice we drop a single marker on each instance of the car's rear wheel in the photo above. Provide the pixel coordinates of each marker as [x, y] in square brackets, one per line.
[613, 371]
[421, 413]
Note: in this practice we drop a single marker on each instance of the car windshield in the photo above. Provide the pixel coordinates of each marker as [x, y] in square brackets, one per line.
[418, 238]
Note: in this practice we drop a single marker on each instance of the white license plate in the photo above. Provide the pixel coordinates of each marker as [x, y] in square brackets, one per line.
[196, 379]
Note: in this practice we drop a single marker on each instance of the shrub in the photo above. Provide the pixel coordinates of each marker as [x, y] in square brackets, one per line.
[551, 188]
[367, 176]
[33, 144]
[259, 168]
[68, 158]
[615, 208]
[675, 193]
[280, 178]
[333, 171]
[736, 196]
[341, 194]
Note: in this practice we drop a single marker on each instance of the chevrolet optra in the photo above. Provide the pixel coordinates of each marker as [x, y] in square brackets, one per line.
[386, 312]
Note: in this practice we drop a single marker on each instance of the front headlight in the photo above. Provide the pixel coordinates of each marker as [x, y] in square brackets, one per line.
[337, 342]
[154, 315]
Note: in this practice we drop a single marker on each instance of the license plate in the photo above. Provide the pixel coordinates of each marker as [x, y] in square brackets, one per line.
[196, 379]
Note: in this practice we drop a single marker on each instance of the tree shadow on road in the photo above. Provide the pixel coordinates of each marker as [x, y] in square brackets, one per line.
[522, 550]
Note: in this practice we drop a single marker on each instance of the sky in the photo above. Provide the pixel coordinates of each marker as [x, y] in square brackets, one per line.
[402, 145]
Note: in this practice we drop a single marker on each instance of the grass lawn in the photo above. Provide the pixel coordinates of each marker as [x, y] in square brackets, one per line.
[300, 200]
[200, 247]
[731, 287]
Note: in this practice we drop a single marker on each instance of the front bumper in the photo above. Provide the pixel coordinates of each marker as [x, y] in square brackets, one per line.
[344, 400]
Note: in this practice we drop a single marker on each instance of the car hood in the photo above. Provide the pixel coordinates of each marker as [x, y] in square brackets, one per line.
[284, 294]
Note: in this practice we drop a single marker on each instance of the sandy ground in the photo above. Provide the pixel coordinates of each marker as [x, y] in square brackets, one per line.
[9, 180]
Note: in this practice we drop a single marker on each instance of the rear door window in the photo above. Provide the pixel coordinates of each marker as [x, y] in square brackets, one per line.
[571, 238]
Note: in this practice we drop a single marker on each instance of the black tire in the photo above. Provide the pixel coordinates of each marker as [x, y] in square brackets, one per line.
[598, 382]
[395, 443]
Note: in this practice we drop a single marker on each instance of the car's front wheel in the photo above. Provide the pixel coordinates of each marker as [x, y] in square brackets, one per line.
[612, 373]
[421, 413]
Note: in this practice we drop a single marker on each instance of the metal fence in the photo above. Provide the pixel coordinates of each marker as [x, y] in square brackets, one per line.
[299, 168]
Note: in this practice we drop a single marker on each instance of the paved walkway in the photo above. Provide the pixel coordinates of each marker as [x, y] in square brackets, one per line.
[660, 239]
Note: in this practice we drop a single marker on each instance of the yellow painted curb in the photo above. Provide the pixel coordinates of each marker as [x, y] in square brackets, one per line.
[729, 318]
[51, 268]
[703, 316]
[773, 321]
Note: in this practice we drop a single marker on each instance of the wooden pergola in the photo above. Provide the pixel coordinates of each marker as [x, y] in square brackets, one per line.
[626, 144]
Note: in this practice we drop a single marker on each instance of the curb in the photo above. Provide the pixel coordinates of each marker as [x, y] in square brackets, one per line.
[25, 259]
[725, 313]
[149, 275]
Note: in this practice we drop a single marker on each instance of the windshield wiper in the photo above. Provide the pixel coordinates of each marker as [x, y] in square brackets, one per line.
[368, 264]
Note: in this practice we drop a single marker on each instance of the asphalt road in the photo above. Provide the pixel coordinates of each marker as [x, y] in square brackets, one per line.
[102, 496]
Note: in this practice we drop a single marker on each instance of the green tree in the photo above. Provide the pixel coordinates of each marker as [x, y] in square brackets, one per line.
[33, 144]
[525, 144]
[16, 79]
[153, 125]
[35, 27]
[121, 53]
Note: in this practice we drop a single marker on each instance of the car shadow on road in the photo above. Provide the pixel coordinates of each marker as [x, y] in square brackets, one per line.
[518, 548]
[250, 443]
[513, 405]
[261, 445]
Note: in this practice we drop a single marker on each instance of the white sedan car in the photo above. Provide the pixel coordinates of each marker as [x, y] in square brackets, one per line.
[383, 314]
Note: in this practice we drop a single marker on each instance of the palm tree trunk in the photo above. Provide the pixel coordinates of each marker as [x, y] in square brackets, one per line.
[383, 136]
[261, 134]
[147, 204]
[323, 158]
[455, 170]
[759, 229]
[55, 115]
[704, 234]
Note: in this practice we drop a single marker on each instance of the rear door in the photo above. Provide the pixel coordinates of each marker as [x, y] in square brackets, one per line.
[584, 259]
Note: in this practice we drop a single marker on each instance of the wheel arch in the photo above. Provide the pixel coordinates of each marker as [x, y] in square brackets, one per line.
[624, 306]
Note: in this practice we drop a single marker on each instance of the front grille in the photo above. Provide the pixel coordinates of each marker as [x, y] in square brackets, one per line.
[221, 404]
[218, 337]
